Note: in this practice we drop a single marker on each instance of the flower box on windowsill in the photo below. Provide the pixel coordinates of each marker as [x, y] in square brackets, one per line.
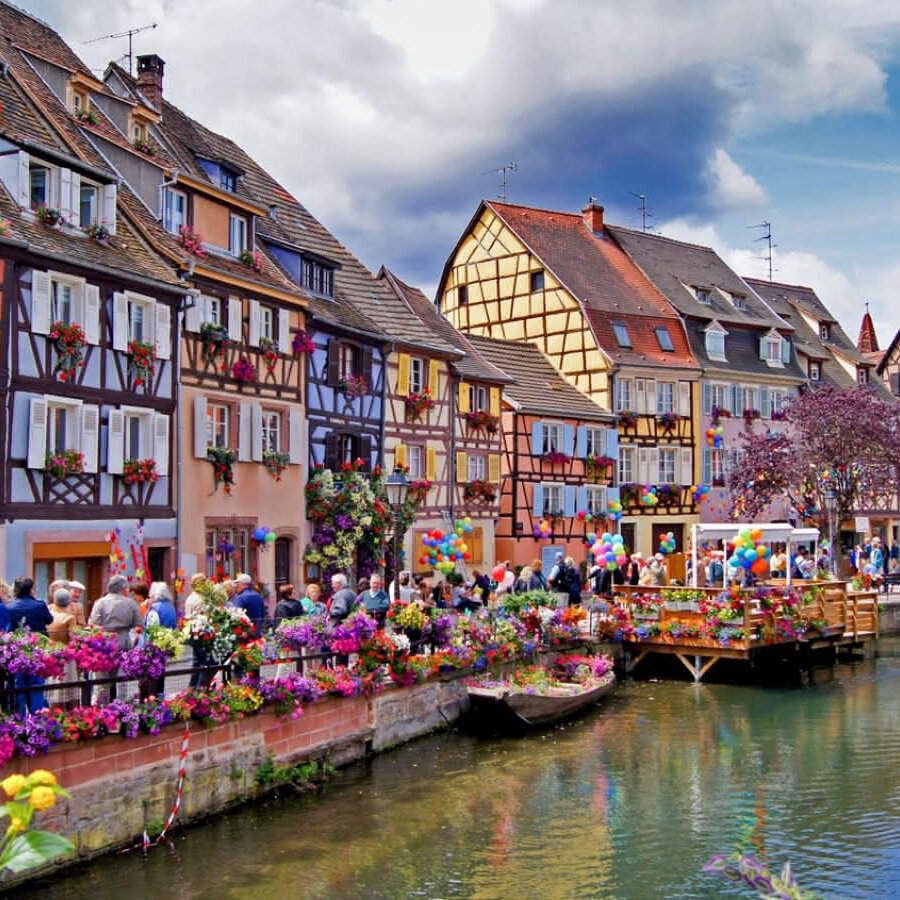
[779, 416]
[270, 353]
[145, 147]
[70, 344]
[598, 466]
[214, 339]
[751, 415]
[191, 241]
[49, 215]
[251, 260]
[479, 418]
[275, 463]
[417, 403]
[627, 418]
[353, 386]
[64, 462]
[243, 371]
[143, 362]
[88, 116]
[139, 471]
[222, 459]
[97, 232]
[555, 458]
[479, 491]
[418, 491]
[668, 420]
[302, 343]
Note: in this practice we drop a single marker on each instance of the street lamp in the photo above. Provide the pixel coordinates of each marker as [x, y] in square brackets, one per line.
[396, 487]
[831, 508]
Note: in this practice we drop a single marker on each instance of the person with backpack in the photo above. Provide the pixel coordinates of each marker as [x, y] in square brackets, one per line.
[568, 581]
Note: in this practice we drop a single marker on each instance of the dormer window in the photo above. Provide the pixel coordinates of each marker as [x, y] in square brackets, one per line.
[815, 371]
[702, 295]
[825, 331]
[665, 340]
[39, 185]
[623, 338]
[318, 278]
[738, 301]
[862, 375]
[138, 133]
[237, 234]
[714, 342]
[774, 350]
[88, 204]
[79, 102]
[228, 180]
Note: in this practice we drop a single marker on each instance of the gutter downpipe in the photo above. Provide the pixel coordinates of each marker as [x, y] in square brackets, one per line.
[179, 442]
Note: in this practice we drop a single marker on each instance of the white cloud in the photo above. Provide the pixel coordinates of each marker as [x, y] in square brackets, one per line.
[730, 187]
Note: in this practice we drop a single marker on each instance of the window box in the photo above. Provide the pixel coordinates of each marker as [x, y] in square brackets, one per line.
[49, 215]
[418, 491]
[479, 492]
[191, 240]
[630, 494]
[353, 386]
[70, 343]
[668, 420]
[145, 146]
[143, 361]
[60, 463]
[243, 371]
[251, 260]
[86, 115]
[627, 418]
[751, 415]
[417, 403]
[597, 466]
[140, 471]
[556, 458]
[480, 418]
[270, 353]
[214, 339]
[275, 462]
[97, 232]
[222, 459]
[302, 343]
[779, 415]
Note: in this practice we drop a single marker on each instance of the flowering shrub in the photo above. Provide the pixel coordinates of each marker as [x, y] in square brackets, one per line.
[353, 386]
[64, 462]
[556, 458]
[251, 260]
[191, 241]
[49, 215]
[418, 402]
[312, 632]
[243, 371]
[288, 694]
[270, 353]
[213, 340]
[275, 462]
[479, 491]
[480, 418]
[93, 650]
[97, 231]
[139, 471]
[143, 361]
[408, 616]
[70, 344]
[222, 459]
[23, 652]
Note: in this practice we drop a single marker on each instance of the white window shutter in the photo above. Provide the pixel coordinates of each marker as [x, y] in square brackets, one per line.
[120, 321]
[684, 398]
[255, 322]
[24, 185]
[90, 435]
[643, 465]
[115, 444]
[90, 320]
[650, 396]
[193, 315]
[235, 319]
[40, 302]
[161, 442]
[108, 207]
[65, 196]
[75, 201]
[284, 331]
[256, 436]
[687, 467]
[163, 330]
[200, 441]
[37, 433]
[245, 429]
[653, 466]
[295, 437]
[640, 396]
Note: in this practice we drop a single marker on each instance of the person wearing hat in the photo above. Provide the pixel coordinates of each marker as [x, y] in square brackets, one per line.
[76, 604]
[657, 569]
[247, 598]
[193, 603]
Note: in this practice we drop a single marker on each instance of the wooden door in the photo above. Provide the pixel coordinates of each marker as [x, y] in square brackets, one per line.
[88, 571]
[282, 561]
[627, 530]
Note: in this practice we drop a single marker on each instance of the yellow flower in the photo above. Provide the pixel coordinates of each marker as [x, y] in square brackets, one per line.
[15, 827]
[12, 784]
[42, 798]
[42, 776]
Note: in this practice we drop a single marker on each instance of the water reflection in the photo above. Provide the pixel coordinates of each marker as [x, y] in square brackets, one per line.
[628, 801]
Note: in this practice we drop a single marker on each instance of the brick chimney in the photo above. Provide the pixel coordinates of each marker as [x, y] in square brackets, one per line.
[592, 216]
[150, 78]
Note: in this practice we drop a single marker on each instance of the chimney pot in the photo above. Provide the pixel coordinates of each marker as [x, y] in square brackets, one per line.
[150, 78]
[592, 216]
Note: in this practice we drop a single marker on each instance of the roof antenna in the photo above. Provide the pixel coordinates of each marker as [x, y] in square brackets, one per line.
[645, 213]
[767, 237]
[509, 167]
[129, 34]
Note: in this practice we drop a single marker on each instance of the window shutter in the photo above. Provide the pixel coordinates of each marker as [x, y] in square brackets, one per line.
[707, 398]
[434, 378]
[332, 445]
[367, 367]
[581, 442]
[643, 465]
[765, 403]
[399, 455]
[650, 396]
[568, 439]
[463, 398]
[90, 435]
[402, 374]
[786, 351]
[200, 440]
[295, 437]
[537, 438]
[161, 442]
[640, 396]
[612, 442]
[115, 444]
[333, 373]
[255, 322]
[284, 331]
[495, 401]
[687, 466]
[256, 436]
[90, 319]
[494, 467]
[762, 347]
[581, 499]
[75, 198]
[235, 320]
[245, 425]
[37, 433]
[24, 192]
[108, 216]
[538, 499]
[569, 501]
[65, 196]
[706, 474]
[120, 321]
[684, 398]
[193, 314]
[462, 467]
[430, 463]
[163, 330]
[365, 452]
[40, 302]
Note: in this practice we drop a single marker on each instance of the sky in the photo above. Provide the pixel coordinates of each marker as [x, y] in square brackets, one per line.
[386, 118]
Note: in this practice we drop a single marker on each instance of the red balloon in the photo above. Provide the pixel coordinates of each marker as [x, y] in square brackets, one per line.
[498, 573]
[760, 567]
[467, 556]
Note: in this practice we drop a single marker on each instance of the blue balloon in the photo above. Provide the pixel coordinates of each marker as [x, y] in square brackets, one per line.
[751, 555]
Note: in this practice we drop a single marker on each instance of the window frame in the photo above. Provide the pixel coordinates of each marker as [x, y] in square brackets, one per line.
[862, 375]
[665, 404]
[350, 359]
[169, 209]
[237, 535]
[240, 241]
[824, 331]
[72, 424]
[717, 467]
[625, 467]
[462, 294]
[713, 335]
[269, 417]
[267, 322]
[476, 467]
[623, 338]
[228, 180]
[594, 435]
[595, 491]
[620, 384]
[349, 447]
[89, 186]
[552, 489]
[148, 317]
[417, 452]
[478, 398]
[144, 418]
[75, 287]
[536, 281]
[416, 375]
[213, 427]
[815, 366]
[662, 476]
[49, 193]
[662, 330]
[703, 296]
[551, 437]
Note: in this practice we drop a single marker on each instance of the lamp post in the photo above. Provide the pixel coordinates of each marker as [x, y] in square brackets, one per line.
[396, 487]
[831, 507]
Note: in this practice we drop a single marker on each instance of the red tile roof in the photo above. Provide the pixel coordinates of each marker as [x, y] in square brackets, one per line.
[868, 340]
[645, 349]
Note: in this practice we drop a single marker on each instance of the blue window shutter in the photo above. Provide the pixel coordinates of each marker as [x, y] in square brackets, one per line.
[612, 442]
[765, 403]
[707, 465]
[569, 501]
[737, 400]
[538, 500]
[537, 438]
[581, 442]
[785, 351]
[613, 493]
[762, 347]
[707, 398]
[581, 498]
[569, 439]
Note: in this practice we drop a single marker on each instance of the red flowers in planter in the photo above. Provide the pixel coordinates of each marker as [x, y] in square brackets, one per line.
[243, 371]
[480, 418]
[191, 241]
[64, 462]
[70, 347]
[251, 260]
[302, 343]
[353, 386]
[419, 402]
[143, 361]
[556, 458]
[480, 492]
[270, 353]
[140, 471]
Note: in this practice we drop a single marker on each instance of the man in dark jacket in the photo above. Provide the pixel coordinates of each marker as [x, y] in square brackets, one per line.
[26, 611]
[288, 607]
[376, 599]
[343, 600]
[249, 600]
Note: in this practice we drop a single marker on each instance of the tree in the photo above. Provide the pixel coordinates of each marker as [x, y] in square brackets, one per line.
[840, 441]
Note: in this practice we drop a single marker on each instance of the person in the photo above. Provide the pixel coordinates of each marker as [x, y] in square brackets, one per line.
[506, 583]
[193, 603]
[633, 569]
[464, 599]
[362, 585]
[894, 566]
[60, 583]
[877, 556]
[657, 569]
[248, 599]
[523, 582]
[407, 587]
[715, 572]
[778, 565]
[5, 593]
[483, 583]
[603, 585]
[312, 601]
[62, 630]
[443, 595]
[25, 610]
[116, 612]
[554, 572]
[288, 606]
[537, 570]
[76, 604]
[802, 567]
[160, 609]
[376, 600]
[425, 596]
[140, 593]
[343, 599]
[568, 581]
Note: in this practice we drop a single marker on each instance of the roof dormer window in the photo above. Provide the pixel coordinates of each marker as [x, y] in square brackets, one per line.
[237, 234]
[774, 350]
[738, 301]
[228, 180]
[665, 339]
[318, 278]
[623, 338]
[825, 331]
[702, 295]
[714, 342]
[862, 375]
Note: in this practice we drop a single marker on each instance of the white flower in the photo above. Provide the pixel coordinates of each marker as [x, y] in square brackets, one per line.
[400, 641]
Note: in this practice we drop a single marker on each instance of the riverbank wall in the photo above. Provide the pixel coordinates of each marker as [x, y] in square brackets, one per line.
[889, 615]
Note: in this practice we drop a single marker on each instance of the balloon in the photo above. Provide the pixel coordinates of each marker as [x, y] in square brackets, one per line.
[760, 567]
[259, 534]
[750, 555]
[271, 537]
[498, 572]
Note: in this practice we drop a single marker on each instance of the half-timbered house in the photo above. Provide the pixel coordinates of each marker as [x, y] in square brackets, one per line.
[559, 281]
[559, 458]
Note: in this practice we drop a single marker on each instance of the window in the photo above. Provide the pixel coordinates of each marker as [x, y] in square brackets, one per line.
[738, 301]
[62, 308]
[227, 180]
[141, 320]
[221, 560]
[174, 210]
[779, 402]
[57, 424]
[815, 371]
[666, 465]
[349, 360]
[623, 394]
[271, 431]
[318, 278]
[665, 397]
[773, 348]
[478, 398]
[595, 501]
[463, 293]
[715, 345]
[553, 500]
[89, 205]
[414, 454]
[214, 310]
[476, 467]
[537, 282]
[348, 448]
[137, 132]
[595, 441]
[622, 337]
[237, 234]
[78, 103]
[665, 340]
[217, 422]
[720, 394]
[39, 185]
[138, 436]
[626, 464]
[825, 331]
[267, 323]
[717, 457]
[702, 295]
[862, 375]
[553, 438]
[416, 375]
[751, 399]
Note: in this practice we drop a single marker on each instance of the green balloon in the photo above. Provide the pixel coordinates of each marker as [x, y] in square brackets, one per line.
[271, 537]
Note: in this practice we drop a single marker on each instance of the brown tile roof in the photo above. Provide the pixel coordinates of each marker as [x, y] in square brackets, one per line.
[537, 387]
[867, 342]
[646, 349]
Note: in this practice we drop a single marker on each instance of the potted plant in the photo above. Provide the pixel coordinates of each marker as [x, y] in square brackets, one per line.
[64, 462]
[142, 145]
[275, 462]
[214, 339]
[139, 471]
[87, 115]
[627, 418]
[353, 386]
[270, 353]
[418, 402]
[243, 371]
[222, 459]
[191, 240]
[143, 361]
[70, 345]
[667, 420]
[251, 260]
[556, 458]
[597, 467]
[418, 491]
[97, 232]
[302, 343]
[479, 418]
[479, 491]
[49, 215]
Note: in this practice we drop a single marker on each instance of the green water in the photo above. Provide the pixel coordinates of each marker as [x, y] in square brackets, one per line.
[627, 801]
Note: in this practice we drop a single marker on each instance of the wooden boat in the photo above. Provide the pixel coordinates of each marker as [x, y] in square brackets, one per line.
[542, 708]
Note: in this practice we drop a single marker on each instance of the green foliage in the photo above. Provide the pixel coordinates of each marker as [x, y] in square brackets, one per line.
[268, 774]
[515, 603]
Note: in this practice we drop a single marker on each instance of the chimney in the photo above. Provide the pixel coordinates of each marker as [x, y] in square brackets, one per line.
[150, 79]
[592, 216]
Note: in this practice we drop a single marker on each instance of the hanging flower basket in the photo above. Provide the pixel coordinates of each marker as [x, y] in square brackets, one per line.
[64, 462]
[668, 420]
[70, 344]
[143, 362]
[222, 459]
[353, 386]
[214, 339]
[627, 418]
[251, 260]
[270, 353]
[556, 458]
[140, 471]
[479, 418]
[597, 466]
[4, 227]
[418, 491]
[243, 371]
[49, 215]
[275, 463]
[417, 403]
[97, 232]
[480, 492]
[302, 343]
[191, 240]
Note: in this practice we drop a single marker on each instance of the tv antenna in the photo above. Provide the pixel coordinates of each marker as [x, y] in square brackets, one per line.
[120, 34]
[767, 237]
[645, 213]
[501, 171]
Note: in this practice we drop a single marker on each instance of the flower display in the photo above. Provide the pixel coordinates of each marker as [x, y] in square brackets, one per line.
[23, 652]
[289, 694]
[140, 471]
[70, 344]
[418, 402]
[275, 462]
[597, 467]
[144, 663]
[480, 418]
[354, 632]
[87, 115]
[222, 459]
[251, 260]
[353, 386]
[270, 354]
[143, 361]
[479, 491]
[668, 420]
[243, 371]
[49, 215]
[302, 343]
[408, 616]
[97, 232]
[213, 342]
[93, 650]
[627, 418]
[64, 462]
[312, 632]
[148, 148]
[169, 640]
[191, 241]
[556, 458]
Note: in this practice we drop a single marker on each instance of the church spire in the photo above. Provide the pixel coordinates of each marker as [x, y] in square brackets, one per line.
[868, 340]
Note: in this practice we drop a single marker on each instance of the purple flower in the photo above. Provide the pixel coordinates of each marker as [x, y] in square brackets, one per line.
[344, 522]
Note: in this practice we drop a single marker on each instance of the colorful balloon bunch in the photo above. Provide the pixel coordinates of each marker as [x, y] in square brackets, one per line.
[615, 510]
[444, 549]
[715, 437]
[667, 543]
[608, 549]
[701, 491]
[543, 530]
[263, 535]
[648, 496]
[585, 516]
[749, 553]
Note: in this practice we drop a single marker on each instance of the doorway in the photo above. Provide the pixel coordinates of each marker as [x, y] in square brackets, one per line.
[282, 561]
[628, 530]
[661, 530]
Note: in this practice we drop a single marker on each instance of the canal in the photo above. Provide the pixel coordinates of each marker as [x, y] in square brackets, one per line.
[628, 801]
